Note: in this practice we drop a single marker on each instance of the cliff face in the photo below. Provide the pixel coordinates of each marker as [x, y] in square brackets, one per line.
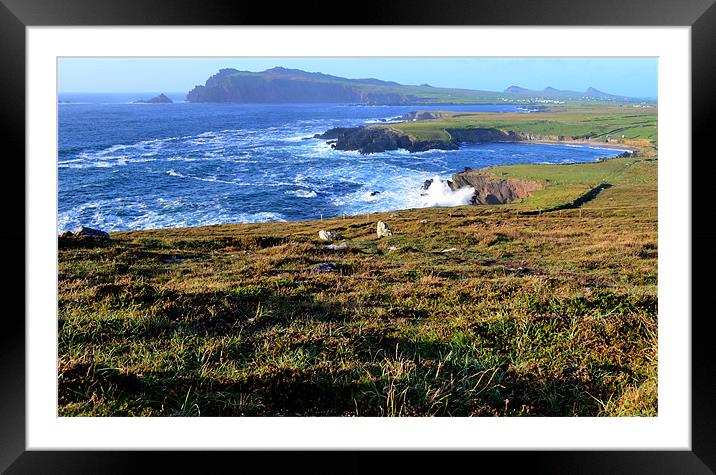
[258, 90]
[490, 190]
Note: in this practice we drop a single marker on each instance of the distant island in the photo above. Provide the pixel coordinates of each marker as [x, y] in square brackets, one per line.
[282, 85]
[160, 99]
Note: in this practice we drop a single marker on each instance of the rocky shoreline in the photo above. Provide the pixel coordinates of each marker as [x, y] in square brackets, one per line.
[372, 139]
[367, 139]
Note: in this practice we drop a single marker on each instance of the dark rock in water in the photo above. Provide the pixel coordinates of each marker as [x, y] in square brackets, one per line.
[373, 193]
[324, 267]
[84, 232]
[426, 184]
[67, 235]
[160, 99]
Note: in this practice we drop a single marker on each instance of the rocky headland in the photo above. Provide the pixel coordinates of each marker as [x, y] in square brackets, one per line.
[372, 139]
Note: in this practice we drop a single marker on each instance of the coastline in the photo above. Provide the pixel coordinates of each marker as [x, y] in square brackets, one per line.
[369, 139]
[611, 145]
[566, 192]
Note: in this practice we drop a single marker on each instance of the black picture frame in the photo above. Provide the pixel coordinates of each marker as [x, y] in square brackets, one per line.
[16, 15]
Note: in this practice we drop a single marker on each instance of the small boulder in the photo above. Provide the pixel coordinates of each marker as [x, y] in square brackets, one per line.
[324, 267]
[84, 232]
[328, 235]
[336, 247]
[383, 230]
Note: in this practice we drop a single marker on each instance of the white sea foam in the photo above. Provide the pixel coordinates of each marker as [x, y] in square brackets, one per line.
[440, 194]
[302, 193]
[210, 178]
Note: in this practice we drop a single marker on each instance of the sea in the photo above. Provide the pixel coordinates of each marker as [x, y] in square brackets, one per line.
[125, 166]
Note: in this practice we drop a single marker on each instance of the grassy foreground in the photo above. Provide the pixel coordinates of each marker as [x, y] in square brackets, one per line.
[470, 311]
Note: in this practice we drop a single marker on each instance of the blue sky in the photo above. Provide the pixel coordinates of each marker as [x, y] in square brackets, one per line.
[635, 77]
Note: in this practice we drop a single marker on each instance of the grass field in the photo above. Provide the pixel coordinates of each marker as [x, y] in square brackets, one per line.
[505, 310]
[617, 124]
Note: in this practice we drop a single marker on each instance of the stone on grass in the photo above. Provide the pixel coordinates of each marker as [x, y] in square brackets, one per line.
[84, 232]
[336, 247]
[324, 267]
[383, 230]
[328, 235]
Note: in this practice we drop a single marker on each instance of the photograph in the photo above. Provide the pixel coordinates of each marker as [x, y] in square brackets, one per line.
[341, 236]
[247, 233]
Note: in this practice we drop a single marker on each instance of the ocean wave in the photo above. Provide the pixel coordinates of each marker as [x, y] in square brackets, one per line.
[210, 178]
[121, 214]
[439, 193]
[302, 193]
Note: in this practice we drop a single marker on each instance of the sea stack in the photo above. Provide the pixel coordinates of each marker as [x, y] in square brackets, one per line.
[160, 99]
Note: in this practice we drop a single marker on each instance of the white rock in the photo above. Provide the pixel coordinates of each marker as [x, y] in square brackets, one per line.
[383, 229]
[328, 235]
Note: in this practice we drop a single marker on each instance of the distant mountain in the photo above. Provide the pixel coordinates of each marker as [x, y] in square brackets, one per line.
[591, 94]
[516, 90]
[283, 85]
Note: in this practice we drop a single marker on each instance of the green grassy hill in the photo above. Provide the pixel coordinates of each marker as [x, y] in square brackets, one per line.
[618, 124]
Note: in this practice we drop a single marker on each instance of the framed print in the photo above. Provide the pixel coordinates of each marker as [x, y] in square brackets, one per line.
[463, 227]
